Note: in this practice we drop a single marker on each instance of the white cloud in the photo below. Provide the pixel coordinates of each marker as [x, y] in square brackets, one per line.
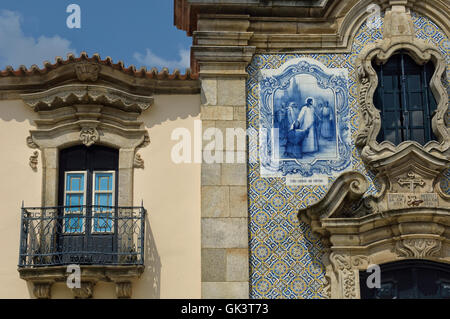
[17, 49]
[152, 60]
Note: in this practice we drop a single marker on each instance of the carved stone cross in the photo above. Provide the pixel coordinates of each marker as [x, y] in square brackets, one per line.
[411, 181]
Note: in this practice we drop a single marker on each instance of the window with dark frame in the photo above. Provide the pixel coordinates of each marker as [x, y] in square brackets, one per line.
[405, 99]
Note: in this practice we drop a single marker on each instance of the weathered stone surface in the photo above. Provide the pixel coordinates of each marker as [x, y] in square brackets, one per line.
[240, 113]
[232, 92]
[209, 92]
[215, 201]
[238, 201]
[234, 157]
[234, 174]
[224, 233]
[214, 263]
[211, 174]
[237, 265]
[217, 113]
[225, 290]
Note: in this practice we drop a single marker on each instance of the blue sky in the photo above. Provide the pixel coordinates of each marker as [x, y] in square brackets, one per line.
[139, 32]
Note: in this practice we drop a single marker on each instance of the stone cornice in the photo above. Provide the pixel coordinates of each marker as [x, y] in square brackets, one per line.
[68, 95]
[294, 26]
[84, 69]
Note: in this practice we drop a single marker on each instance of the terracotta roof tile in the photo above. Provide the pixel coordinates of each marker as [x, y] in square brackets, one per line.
[71, 58]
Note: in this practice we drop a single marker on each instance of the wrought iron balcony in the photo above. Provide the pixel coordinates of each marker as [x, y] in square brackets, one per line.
[83, 235]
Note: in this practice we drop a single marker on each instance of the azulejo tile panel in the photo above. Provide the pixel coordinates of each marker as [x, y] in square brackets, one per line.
[285, 257]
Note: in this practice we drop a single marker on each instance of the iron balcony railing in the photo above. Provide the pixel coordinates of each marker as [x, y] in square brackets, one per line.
[85, 235]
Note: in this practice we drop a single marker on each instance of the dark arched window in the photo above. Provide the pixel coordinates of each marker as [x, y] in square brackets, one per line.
[404, 97]
[408, 279]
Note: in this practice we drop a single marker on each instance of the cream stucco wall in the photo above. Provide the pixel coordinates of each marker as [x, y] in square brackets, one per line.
[170, 192]
[171, 195]
[18, 182]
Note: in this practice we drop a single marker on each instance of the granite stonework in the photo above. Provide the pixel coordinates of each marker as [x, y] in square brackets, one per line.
[285, 256]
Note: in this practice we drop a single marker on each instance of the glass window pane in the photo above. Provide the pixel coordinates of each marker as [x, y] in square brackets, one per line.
[418, 135]
[103, 199]
[389, 135]
[391, 101]
[413, 81]
[103, 181]
[391, 120]
[415, 101]
[103, 222]
[417, 119]
[74, 200]
[73, 223]
[75, 182]
[389, 82]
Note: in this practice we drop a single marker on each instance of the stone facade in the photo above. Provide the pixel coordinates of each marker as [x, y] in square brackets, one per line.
[291, 258]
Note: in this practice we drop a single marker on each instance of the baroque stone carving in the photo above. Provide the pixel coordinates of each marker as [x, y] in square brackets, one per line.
[34, 160]
[31, 143]
[138, 161]
[398, 35]
[346, 268]
[87, 71]
[411, 181]
[89, 135]
[73, 94]
[418, 247]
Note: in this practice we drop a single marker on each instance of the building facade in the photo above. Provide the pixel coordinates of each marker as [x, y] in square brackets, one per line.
[318, 138]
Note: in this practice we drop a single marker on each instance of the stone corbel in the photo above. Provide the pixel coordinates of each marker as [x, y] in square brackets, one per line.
[123, 289]
[42, 289]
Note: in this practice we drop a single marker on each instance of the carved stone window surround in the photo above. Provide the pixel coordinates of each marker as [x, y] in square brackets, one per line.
[86, 114]
[409, 217]
[398, 35]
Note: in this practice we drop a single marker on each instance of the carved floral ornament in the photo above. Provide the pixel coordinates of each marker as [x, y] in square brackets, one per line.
[89, 135]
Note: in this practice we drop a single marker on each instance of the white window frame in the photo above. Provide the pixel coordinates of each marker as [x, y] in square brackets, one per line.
[82, 211]
[94, 192]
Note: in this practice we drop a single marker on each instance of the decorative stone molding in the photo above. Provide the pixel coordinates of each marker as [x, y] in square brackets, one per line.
[398, 35]
[418, 247]
[43, 278]
[358, 229]
[89, 135]
[138, 161]
[34, 160]
[74, 94]
[87, 71]
[326, 26]
[87, 114]
[31, 143]
[86, 290]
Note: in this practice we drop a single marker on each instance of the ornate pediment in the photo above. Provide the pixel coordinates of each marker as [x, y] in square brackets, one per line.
[73, 94]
